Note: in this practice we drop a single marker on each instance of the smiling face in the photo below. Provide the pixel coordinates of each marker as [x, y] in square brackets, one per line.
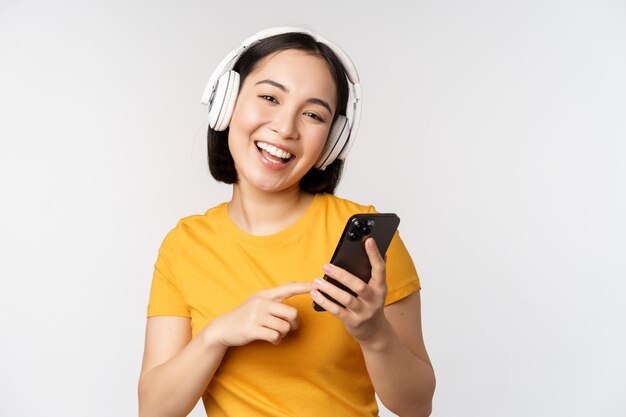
[281, 120]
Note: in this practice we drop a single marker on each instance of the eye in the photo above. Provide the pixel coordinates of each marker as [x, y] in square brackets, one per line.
[269, 98]
[314, 116]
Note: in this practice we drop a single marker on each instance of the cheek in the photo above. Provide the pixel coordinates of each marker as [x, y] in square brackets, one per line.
[247, 115]
[240, 127]
[321, 137]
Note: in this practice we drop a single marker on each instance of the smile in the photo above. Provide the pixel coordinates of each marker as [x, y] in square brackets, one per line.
[273, 154]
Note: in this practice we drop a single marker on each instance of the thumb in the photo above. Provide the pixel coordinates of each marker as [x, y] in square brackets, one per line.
[378, 263]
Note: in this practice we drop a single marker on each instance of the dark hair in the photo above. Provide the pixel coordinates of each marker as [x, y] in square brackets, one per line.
[221, 162]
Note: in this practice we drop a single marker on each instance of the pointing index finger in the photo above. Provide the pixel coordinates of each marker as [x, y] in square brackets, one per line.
[282, 292]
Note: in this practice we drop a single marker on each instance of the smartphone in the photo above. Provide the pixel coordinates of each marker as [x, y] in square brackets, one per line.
[350, 252]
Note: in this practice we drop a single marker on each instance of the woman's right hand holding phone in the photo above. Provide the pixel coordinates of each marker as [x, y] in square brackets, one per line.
[263, 316]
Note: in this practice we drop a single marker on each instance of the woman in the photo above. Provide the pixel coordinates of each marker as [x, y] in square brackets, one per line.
[230, 317]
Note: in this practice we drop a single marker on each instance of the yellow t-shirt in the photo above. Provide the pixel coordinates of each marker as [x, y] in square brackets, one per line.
[207, 266]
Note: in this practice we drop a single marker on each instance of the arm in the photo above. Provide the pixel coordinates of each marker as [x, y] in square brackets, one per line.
[390, 337]
[177, 369]
[398, 363]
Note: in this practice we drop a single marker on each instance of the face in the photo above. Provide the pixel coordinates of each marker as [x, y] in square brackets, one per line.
[281, 120]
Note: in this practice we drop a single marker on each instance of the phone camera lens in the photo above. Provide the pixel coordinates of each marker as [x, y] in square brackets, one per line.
[353, 236]
[367, 230]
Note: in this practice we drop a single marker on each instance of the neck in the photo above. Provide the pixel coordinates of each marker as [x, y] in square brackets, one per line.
[264, 213]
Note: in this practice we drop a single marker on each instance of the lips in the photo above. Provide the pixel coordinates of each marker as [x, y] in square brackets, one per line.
[273, 156]
[274, 150]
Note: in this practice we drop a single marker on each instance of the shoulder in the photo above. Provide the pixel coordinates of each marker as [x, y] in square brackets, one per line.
[344, 206]
[335, 211]
[193, 226]
[194, 221]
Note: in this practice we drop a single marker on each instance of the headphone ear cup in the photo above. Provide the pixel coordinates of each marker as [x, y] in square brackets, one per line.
[337, 139]
[224, 99]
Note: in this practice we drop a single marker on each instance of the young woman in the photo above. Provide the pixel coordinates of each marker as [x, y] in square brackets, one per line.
[230, 317]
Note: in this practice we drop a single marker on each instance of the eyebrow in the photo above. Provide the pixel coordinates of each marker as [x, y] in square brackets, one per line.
[286, 90]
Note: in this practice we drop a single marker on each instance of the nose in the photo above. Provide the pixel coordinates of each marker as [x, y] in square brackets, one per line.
[285, 123]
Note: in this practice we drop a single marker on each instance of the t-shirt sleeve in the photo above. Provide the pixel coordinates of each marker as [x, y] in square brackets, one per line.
[402, 278]
[165, 296]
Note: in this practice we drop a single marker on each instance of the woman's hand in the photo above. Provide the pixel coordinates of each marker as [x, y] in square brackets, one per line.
[363, 315]
[263, 316]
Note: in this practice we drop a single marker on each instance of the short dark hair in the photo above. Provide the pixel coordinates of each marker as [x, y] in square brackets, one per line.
[221, 164]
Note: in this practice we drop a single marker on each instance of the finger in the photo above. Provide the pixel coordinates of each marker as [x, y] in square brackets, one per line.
[282, 292]
[345, 298]
[377, 262]
[281, 326]
[286, 313]
[269, 335]
[328, 305]
[354, 283]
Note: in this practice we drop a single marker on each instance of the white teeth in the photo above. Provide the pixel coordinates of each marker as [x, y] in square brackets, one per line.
[273, 150]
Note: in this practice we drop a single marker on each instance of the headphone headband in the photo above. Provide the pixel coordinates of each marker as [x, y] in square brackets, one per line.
[353, 110]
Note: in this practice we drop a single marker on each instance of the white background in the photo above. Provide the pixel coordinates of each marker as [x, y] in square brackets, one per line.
[494, 129]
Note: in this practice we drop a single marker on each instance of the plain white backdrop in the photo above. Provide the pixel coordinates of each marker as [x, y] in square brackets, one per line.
[495, 129]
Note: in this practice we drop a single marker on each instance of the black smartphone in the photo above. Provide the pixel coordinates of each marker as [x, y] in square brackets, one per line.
[350, 252]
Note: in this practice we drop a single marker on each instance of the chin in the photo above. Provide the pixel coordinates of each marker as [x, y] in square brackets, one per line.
[274, 183]
[273, 187]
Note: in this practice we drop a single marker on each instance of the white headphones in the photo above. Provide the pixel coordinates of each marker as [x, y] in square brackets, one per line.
[220, 94]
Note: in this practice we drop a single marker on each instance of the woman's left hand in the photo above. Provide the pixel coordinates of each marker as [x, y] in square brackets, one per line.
[363, 315]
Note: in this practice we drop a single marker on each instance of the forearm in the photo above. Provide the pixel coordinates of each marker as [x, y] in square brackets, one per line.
[174, 387]
[404, 382]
